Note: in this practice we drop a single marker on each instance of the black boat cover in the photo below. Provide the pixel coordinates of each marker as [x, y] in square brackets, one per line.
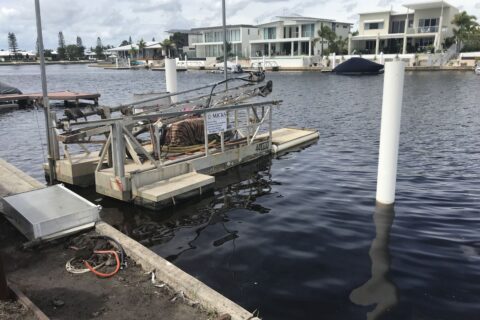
[6, 89]
[358, 66]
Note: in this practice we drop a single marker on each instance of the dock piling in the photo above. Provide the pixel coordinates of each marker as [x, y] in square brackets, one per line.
[171, 77]
[390, 131]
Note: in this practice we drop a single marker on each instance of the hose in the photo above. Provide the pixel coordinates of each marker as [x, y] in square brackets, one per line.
[101, 274]
[123, 262]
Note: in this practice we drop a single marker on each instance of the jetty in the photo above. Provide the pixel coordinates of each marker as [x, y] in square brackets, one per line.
[154, 175]
[66, 96]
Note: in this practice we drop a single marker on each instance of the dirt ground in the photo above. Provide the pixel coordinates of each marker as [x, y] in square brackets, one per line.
[40, 273]
[12, 310]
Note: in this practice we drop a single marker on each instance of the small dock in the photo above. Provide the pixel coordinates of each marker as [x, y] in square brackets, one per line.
[66, 96]
[163, 69]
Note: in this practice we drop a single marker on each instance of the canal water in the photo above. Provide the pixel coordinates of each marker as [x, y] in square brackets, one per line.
[298, 236]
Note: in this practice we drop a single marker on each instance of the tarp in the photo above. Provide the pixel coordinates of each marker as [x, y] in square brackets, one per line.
[6, 89]
[358, 66]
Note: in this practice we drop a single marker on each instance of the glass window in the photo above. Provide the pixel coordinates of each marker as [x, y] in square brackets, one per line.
[308, 30]
[270, 33]
[374, 26]
[398, 26]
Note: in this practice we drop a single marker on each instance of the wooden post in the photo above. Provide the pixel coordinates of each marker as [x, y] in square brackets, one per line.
[4, 292]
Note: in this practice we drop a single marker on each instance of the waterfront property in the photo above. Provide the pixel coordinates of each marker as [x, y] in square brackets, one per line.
[421, 27]
[208, 42]
[151, 51]
[291, 41]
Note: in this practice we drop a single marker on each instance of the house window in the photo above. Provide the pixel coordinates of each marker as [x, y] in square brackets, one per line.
[428, 25]
[270, 33]
[344, 26]
[290, 32]
[308, 30]
[374, 26]
[398, 26]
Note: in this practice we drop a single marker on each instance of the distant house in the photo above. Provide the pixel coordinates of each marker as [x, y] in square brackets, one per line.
[151, 51]
[22, 55]
[208, 41]
[421, 26]
[294, 36]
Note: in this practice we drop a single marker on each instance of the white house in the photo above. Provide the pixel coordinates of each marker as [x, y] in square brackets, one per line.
[208, 41]
[290, 41]
[420, 26]
[152, 51]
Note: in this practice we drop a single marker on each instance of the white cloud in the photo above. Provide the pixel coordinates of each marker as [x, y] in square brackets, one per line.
[115, 21]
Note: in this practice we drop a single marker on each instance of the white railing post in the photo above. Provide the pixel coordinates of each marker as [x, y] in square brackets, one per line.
[390, 131]
[171, 77]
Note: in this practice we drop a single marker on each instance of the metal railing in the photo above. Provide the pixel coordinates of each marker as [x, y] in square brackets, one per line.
[120, 138]
[432, 29]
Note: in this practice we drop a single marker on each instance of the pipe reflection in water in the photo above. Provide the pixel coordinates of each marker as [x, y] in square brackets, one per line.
[237, 188]
[379, 290]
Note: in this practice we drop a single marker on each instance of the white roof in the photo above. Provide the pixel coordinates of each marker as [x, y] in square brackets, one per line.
[128, 47]
[427, 5]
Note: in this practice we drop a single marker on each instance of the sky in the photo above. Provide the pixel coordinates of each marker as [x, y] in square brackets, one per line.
[114, 21]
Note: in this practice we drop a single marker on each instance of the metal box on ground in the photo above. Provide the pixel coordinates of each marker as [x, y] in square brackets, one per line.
[50, 212]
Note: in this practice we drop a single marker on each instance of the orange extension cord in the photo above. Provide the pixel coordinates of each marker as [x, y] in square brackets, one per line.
[101, 274]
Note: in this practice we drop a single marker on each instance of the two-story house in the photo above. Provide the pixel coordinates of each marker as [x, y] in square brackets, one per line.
[294, 36]
[422, 26]
[208, 42]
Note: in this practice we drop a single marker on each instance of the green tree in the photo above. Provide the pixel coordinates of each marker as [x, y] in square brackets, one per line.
[167, 46]
[467, 27]
[130, 40]
[80, 48]
[99, 49]
[325, 33]
[141, 47]
[61, 51]
[179, 40]
[124, 43]
[72, 52]
[12, 44]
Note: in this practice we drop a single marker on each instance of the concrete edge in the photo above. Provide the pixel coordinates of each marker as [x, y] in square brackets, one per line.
[174, 277]
[23, 299]
[25, 177]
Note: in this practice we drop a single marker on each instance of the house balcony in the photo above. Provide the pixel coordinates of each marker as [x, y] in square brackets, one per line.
[421, 30]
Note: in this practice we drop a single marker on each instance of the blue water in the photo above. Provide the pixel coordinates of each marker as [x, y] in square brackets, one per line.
[299, 237]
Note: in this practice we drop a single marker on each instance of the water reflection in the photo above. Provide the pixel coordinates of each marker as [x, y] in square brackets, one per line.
[380, 289]
[238, 188]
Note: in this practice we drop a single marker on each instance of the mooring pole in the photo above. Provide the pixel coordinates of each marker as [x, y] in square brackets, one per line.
[4, 292]
[390, 131]
[171, 77]
[225, 54]
[46, 103]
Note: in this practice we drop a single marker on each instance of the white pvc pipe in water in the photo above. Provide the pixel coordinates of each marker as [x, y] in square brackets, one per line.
[390, 131]
[263, 63]
[171, 77]
[334, 62]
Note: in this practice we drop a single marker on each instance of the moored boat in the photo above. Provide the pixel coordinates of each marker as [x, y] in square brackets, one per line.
[359, 66]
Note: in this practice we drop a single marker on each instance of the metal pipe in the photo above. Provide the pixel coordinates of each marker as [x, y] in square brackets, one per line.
[225, 54]
[156, 115]
[176, 93]
[4, 292]
[118, 150]
[46, 103]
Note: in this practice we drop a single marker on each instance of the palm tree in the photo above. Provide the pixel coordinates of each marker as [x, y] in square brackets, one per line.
[141, 47]
[325, 33]
[467, 25]
[167, 44]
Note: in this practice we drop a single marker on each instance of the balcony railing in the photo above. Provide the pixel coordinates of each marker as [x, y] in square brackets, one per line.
[432, 29]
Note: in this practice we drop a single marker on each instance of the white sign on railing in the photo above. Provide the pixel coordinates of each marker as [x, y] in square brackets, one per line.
[216, 121]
